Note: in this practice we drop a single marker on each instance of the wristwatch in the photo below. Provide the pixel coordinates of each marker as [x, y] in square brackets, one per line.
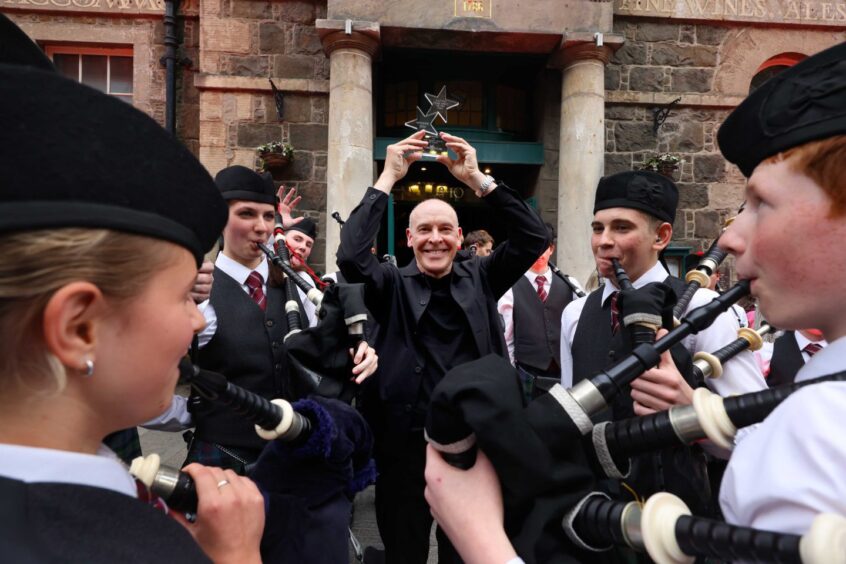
[486, 184]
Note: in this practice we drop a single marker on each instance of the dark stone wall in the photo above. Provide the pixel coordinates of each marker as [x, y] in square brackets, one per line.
[676, 59]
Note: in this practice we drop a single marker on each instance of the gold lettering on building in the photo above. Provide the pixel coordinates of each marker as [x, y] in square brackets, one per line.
[473, 8]
[777, 11]
[134, 6]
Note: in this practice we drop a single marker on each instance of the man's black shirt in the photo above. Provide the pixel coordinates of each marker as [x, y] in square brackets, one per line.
[447, 340]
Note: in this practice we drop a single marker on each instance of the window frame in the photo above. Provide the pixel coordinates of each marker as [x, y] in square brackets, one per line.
[107, 52]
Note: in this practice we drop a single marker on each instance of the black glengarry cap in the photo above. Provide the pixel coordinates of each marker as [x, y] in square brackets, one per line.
[642, 190]
[307, 226]
[238, 182]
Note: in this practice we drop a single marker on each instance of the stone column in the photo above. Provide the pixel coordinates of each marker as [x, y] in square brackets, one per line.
[349, 169]
[581, 148]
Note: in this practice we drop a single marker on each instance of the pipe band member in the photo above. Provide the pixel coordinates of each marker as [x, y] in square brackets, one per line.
[433, 313]
[245, 317]
[531, 312]
[104, 219]
[789, 139]
[633, 223]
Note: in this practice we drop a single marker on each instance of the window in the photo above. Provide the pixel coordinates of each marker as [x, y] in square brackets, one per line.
[469, 93]
[511, 109]
[400, 103]
[107, 70]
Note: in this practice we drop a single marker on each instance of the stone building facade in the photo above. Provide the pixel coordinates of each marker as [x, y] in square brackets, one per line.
[592, 77]
[708, 67]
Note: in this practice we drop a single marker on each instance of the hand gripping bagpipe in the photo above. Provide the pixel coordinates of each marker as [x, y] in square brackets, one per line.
[592, 396]
[665, 529]
[642, 326]
[318, 456]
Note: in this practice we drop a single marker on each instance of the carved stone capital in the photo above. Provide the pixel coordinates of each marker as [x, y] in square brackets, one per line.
[583, 46]
[349, 34]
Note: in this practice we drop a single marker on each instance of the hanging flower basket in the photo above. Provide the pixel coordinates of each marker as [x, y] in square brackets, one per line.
[275, 156]
[274, 161]
[665, 164]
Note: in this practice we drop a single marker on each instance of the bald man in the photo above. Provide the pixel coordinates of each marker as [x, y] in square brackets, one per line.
[433, 314]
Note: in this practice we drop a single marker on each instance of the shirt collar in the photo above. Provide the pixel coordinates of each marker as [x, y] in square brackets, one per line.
[238, 271]
[803, 341]
[533, 275]
[37, 465]
[827, 361]
[655, 274]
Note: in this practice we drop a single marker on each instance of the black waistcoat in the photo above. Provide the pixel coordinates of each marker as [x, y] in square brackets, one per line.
[682, 470]
[787, 360]
[51, 522]
[537, 324]
[247, 348]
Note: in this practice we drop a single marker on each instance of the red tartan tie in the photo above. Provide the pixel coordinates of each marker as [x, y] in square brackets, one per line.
[255, 283]
[812, 348]
[615, 314]
[540, 281]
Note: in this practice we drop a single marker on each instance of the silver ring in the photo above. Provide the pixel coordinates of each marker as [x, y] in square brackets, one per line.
[222, 483]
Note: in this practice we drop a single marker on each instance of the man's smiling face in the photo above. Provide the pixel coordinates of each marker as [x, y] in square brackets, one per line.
[434, 235]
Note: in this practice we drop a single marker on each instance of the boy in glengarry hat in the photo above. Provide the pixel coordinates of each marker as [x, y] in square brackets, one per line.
[633, 216]
[789, 139]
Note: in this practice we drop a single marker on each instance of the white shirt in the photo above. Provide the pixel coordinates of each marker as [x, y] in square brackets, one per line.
[309, 308]
[792, 467]
[38, 465]
[505, 305]
[741, 374]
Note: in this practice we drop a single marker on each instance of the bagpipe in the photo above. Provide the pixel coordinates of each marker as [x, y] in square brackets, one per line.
[710, 416]
[700, 276]
[318, 456]
[538, 449]
[593, 395]
[666, 530]
[319, 359]
[566, 279]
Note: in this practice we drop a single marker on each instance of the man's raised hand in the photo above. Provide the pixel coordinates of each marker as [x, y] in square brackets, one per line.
[398, 158]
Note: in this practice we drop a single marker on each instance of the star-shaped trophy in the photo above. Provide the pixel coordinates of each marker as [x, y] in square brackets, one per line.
[425, 122]
[440, 103]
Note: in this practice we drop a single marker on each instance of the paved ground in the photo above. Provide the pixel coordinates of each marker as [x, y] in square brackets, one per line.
[171, 448]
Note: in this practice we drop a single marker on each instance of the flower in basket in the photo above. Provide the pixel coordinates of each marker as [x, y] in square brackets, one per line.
[663, 163]
[275, 154]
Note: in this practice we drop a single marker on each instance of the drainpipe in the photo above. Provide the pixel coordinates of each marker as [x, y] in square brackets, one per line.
[169, 61]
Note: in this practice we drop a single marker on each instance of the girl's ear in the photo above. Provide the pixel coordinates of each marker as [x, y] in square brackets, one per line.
[69, 322]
